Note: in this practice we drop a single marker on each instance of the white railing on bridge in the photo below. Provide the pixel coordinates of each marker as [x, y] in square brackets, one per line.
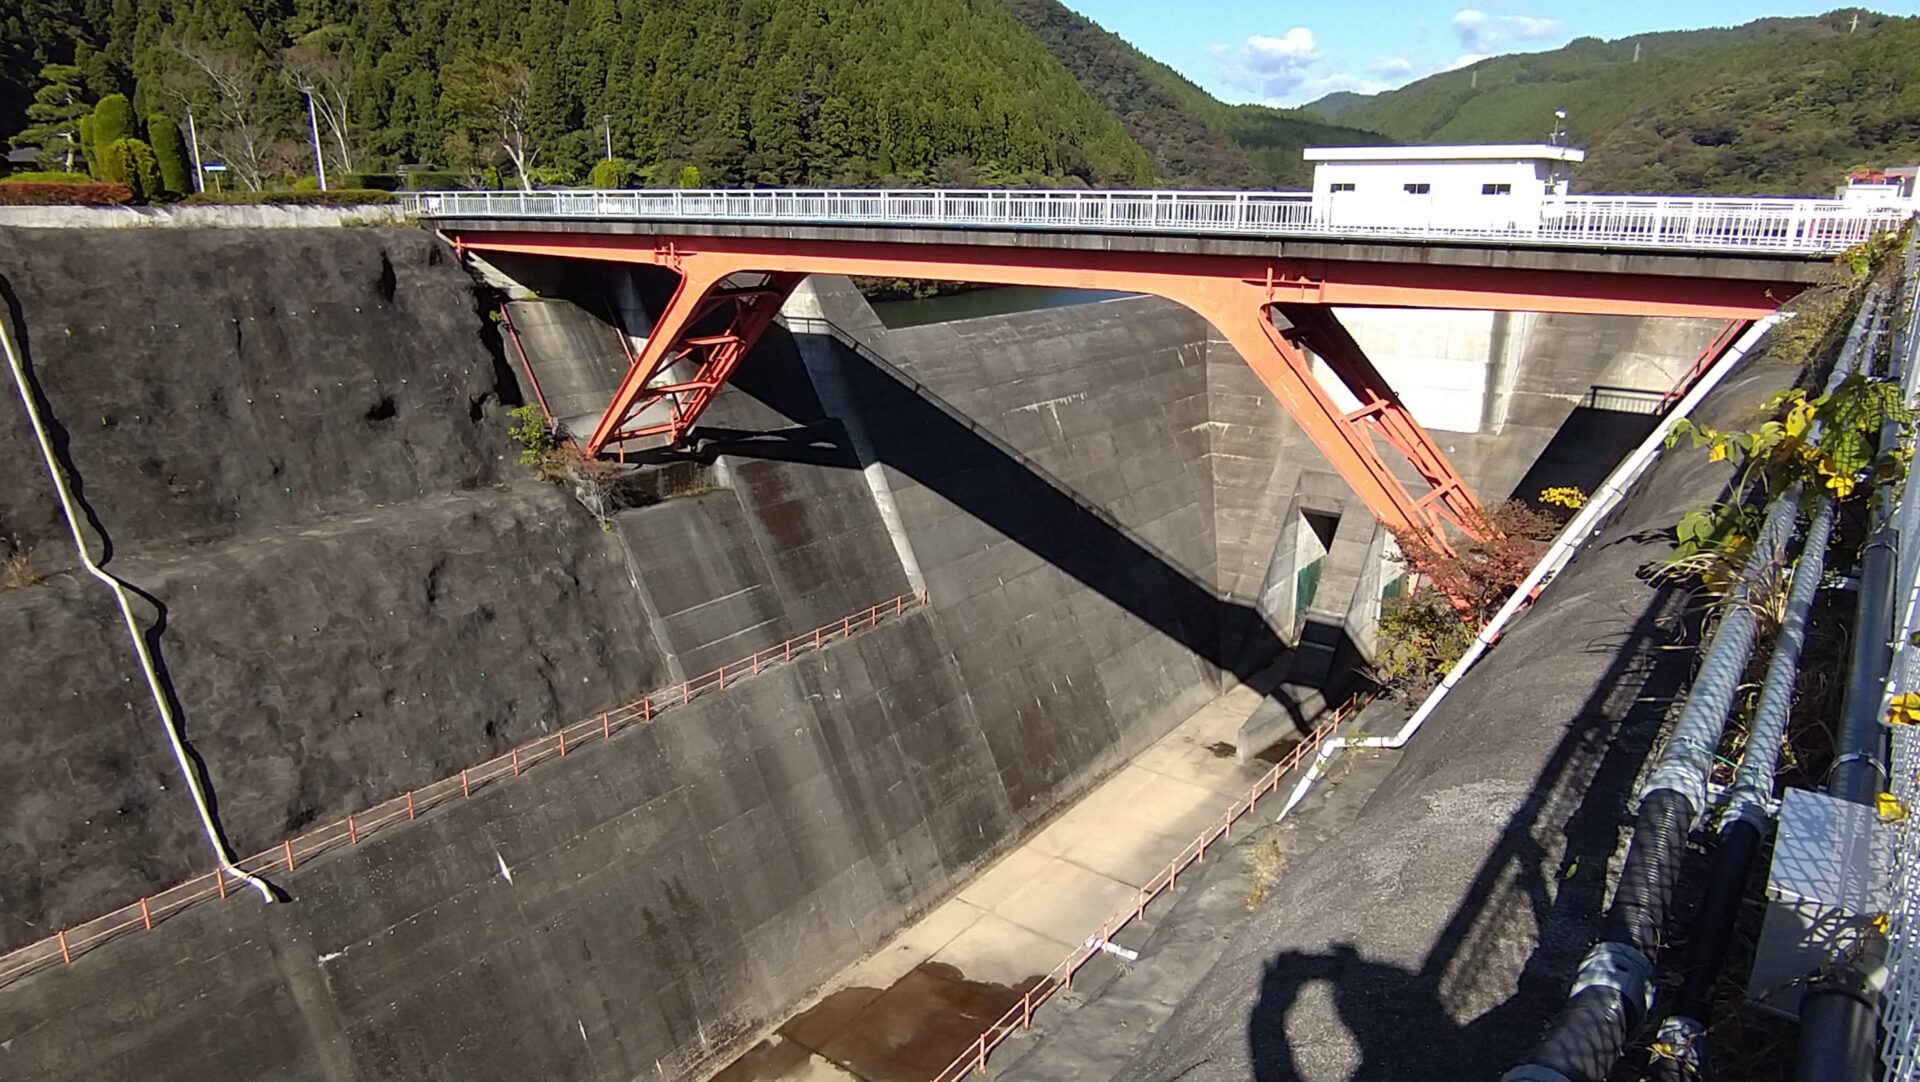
[1804, 226]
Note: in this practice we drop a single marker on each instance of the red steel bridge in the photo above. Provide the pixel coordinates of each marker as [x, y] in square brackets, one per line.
[1258, 266]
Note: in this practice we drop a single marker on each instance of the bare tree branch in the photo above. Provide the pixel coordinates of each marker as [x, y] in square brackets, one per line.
[324, 76]
[238, 131]
[488, 93]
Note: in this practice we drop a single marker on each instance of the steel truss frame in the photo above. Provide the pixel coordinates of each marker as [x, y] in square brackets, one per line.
[749, 278]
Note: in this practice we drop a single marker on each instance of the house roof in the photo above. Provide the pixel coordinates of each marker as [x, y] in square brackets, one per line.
[1472, 152]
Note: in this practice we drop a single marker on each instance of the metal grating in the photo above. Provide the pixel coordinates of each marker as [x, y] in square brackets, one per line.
[1900, 1007]
[1900, 1003]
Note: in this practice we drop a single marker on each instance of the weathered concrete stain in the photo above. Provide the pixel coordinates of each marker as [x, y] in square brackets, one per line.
[906, 1032]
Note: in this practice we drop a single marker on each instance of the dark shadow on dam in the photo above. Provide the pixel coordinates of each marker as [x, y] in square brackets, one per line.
[1402, 1022]
[909, 428]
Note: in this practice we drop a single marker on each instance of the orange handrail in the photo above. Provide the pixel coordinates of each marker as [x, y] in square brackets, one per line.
[1020, 1015]
[68, 943]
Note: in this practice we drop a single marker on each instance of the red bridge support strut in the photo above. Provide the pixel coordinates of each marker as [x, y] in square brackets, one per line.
[731, 287]
[742, 307]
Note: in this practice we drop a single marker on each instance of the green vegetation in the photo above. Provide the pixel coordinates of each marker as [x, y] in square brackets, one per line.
[1423, 632]
[1779, 451]
[130, 162]
[46, 177]
[53, 118]
[170, 149]
[112, 120]
[520, 91]
[1194, 140]
[1774, 106]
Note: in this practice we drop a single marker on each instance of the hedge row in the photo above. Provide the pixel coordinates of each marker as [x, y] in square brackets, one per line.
[87, 194]
[46, 177]
[337, 197]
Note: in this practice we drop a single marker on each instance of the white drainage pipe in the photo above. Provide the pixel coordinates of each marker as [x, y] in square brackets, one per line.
[167, 721]
[1571, 537]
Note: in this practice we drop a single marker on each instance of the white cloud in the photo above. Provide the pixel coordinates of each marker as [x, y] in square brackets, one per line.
[1288, 52]
[1480, 32]
[1391, 66]
[1464, 60]
[1284, 70]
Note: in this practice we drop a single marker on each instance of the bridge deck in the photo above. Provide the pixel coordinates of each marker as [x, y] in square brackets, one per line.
[1769, 227]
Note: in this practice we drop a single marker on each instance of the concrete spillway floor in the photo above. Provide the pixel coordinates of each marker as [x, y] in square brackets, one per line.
[906, 1012]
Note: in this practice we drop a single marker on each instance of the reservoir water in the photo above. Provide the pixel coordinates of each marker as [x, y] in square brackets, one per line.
[998, 301]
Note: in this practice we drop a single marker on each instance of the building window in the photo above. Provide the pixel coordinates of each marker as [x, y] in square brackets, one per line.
[1496, 189]
[1417, 189]
[1340, 187]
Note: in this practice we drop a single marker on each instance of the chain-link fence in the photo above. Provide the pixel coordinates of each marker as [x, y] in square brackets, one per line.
[1900, 1004]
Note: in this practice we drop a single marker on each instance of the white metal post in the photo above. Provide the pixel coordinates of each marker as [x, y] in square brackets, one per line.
[313, 127]
[193, 137]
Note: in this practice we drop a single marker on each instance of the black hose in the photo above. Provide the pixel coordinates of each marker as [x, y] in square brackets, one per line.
[1613, 992]
[1860, 755]
[1839, 1036]
[1719, 906]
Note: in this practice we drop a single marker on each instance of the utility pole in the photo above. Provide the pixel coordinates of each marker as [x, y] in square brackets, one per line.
[313, 126]
[1856, 23]
[606, 125]
[193, 136]
[1636, 52]
[1559, 136]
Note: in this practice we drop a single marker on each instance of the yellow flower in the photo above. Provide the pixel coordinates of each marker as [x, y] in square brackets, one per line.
[1890, 808]
[1904, 709]
[1717, 453]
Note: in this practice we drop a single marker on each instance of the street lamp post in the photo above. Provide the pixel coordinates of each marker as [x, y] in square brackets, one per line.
[193, 135]
[313, 126]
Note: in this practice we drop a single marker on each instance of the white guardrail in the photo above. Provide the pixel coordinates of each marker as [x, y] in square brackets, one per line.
[1804, 226]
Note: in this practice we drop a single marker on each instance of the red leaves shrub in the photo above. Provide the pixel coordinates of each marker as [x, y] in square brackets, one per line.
[1482, 570]
[86, 195]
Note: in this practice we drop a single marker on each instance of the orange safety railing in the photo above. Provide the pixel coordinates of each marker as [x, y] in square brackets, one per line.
[68, 943]
[1020, 1015]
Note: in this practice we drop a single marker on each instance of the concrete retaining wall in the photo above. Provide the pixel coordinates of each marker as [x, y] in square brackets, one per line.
[295, 443]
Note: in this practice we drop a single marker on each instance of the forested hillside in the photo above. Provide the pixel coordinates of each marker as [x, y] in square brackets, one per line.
[721, 92]
[1195, 140]
[1776, 106]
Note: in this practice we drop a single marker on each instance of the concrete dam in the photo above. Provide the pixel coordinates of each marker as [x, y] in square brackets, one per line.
[1086, 525]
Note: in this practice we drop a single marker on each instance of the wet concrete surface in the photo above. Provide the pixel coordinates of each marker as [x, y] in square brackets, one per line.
[913, 1007]
[908, 1032]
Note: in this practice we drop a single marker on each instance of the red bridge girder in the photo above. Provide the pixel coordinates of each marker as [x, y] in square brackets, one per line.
[1239, 295]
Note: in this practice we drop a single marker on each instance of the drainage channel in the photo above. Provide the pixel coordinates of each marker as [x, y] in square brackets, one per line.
[983, 961]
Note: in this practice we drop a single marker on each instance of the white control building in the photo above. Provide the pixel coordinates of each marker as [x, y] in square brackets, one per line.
[1490, 187]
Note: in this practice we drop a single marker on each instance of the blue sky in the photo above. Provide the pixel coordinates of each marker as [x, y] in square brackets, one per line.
[1291, 53]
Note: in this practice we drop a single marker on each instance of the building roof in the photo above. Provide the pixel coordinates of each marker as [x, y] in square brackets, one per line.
[23, 155]
[1480, 152]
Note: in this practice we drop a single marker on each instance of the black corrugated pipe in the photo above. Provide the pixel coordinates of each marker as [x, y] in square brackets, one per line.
[1613, 992]
[1838, 1018]
[1681, 1051]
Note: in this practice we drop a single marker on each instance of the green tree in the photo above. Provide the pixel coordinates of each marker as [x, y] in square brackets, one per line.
[113, 120]
[689, 178]
[88, 148]
[57, 109]
[610, 173]
[487, 96]
[170, 149]
[132, 163]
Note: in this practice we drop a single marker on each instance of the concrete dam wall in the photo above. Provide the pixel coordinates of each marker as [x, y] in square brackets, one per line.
[294, 446]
